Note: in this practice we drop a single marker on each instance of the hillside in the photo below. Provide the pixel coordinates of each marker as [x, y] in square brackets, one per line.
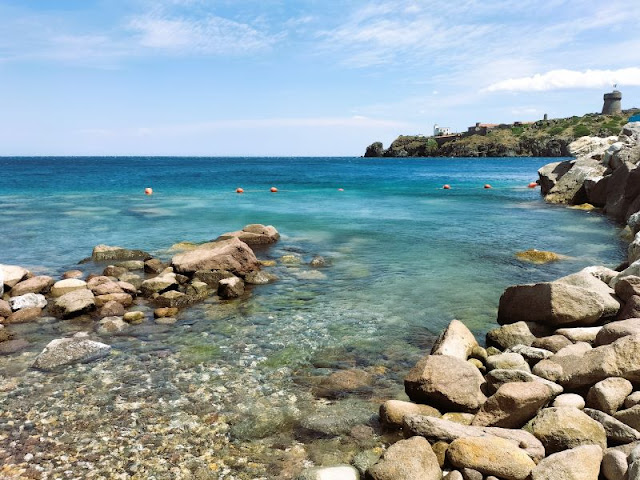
[544, 138]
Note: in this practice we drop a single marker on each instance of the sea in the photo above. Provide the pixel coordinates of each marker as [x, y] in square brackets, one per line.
[254, 376]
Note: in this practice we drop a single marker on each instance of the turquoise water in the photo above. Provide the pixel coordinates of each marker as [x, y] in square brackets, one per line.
[405, 257]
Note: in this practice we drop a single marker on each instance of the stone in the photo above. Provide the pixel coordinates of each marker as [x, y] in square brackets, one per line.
[551, 173]
[260, 278]
[339, 383]
[127, 287]
[631, 309]
[255, 234]
[106, 253]
[629, 416]
[130, 279]
[619, 359]
[471, 474]
[68, 285]
[459, 417]
[232, 255]
[569, 400]
[615, 330]
[577, 349]
[392, 412]
[113, 271]
[38, 284]
[73, 303]
[553, 343]
[28, 300]
[112, 325]
[165, 312]
[531, 354]
[617, 431]
[603, 274]
[491, 456]
[13, 274]
[5, 308]
[438, 429]
[131, 265]
[111, 309]
[134, 318]
[12, 346]
[411, 459]
[627, 287]
[617, 204]
[24, 315]
[507, 361]
[123, 298]
[318, 262]
[510, 335]
[106, 288]
[173, 299]
[66, 351]
[455, 341]
[153, 265]
[72, 274]
[632, 399]
[499, 377]
[614, 464]
[609, 394]
[231, 288]
[631, 270]
[569, 188]
[197, 288]
[454, 475]
[580, 463]
[160, 284]
[212, 277]
[445, 382]
[513, 405]
[166, 320]
[539, 257]
[440, 449]
[337, 472]
[584, 334]
[562, 428]
[479, 353]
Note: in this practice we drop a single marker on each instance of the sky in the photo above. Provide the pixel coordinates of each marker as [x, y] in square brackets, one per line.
[298, 77]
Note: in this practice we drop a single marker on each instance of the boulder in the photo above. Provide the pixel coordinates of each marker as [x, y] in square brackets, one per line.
[631, 309]
[72, 274]
[590, 279]
[66, 351]
[580, 463]
[24, 315]
[212, 277]
[339, 383]
[130, 279]
[392, 412]
[615, 330]
[631, 270]
[115, 272]
[513, 405]
[134, 318]
[562, 428]
[569, 188]
[509, 335]
[131, 265]
[499, 377]
[539, 257]
[153, 265]
[491, 456]
[196, 288]
[531, 354]
[260, 278]
[617, 203]
[5, 308]
[595, 188]
[28, 300]
[111, 326]
[232, 255]
[255, 234]
[123, 298]
[106, 288]
[73, 303]
[627, 287]
[617, 431]
[111, 309]
[438, 429]
[38, 284]
[629, 416]
[455, 341]
[13, 274]
[551, 173]
[12, 346]
[609, 394]
[580, 334]
[231, 288]
[106, 253]
[569, 400]
[445, 382]
[507, 361]
[632, 399]
[578, 348]
[68, 285]
[553, 343]
[174, 299]
[411, 459]
[165, 312]
[591, 147]
[614, 464]
[160, 284]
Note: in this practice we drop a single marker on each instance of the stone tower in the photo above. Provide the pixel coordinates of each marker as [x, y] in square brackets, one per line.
[612, 103]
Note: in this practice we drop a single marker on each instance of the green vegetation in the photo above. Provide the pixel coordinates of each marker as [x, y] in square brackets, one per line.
[195, 354]
[581, 131]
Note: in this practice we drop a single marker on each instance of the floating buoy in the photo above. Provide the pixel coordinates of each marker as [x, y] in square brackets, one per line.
[239, 190]
[446, 187]
[273, 189]
[341, 189]
[487, 186]
[148, 191]
[532, 185]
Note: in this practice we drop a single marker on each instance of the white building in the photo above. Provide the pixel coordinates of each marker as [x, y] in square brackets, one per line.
[439, 131]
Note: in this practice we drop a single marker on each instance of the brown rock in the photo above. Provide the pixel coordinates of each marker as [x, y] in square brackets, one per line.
[339, 383]
[165, 312]
[112, 309]
[72, 274]
[615, 330]
[456, 341]
[123, 298]
[392, 412]
[127, 288]
[40, 284]
[212, 277]
[106, 288]
[5, 308]
[631, 309]
[553, 343]
[73, 303]
[134, 317]
[232, 255]
[411, 459]
[255, 234]
[580, 463]
[627, 287]
[113, 271]
[510, 335]
[231, 288]
[24, 315]
[609, 394]
[13, 346]
[153, 265]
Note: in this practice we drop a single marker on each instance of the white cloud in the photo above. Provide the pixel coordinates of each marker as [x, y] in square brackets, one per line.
[559, 79]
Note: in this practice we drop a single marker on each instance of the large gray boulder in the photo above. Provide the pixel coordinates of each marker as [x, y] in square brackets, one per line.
[411, 459]
[580, 463]
[562, 428]
[73, 303]
[615, 330]
[455, 341]
[446, 383]
[65, 351]
[551, 173]
[629, 416]
[609, 394]
[569, 188]
[232, 255]
[255, 234]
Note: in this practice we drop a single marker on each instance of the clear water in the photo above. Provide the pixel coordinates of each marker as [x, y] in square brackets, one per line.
[406, 258]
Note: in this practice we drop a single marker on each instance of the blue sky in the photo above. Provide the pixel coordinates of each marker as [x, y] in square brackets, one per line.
[295, 78]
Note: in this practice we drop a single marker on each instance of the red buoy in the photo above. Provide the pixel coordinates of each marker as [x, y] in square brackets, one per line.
[446, 187]
[532, 185]
[148, 191]
[487, 186]
[273, 189]
[239, 190]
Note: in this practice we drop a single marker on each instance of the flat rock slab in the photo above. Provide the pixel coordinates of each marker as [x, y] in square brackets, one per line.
[103, 253]
[38, 284]
[617, 431]
[231, 255]
[66, 351]
[255, 234]
[73, 303]
[67, 285]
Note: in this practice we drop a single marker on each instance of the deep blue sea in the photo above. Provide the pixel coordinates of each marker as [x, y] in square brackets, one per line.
[406, 256]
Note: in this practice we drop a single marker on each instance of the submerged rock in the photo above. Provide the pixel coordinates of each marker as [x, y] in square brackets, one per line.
[66, 351]
[539, 256]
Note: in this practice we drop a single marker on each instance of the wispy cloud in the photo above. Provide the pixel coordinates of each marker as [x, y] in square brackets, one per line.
[560, 79]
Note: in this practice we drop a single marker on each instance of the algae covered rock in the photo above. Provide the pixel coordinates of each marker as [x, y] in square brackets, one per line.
[538, 256]
[103, 253]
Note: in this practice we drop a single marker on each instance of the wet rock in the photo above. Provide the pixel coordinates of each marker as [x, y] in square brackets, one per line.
[255, 234]
[260, 278]
[615, 330]
[551, 173]
[130, 265]
[68, 285]
[72, 274]
[617, 431]
[135, 317]
[631, 270]
[562, 428]
[509, 335]
[123, 298]
[73, 304]
[196, 288]
[113, 271]
[24, 315]
[165, 312]
[539, 257]
[336, 419]
[160, 284]
[39, 284]
[127, 287]
[580, 463]
[569, 400]
[232, 255]
[499, 377]
[105, 253]
[318, 262]
[13, 274]
[392, 412]
[340, 383]
[513, 405]
[230, 288]
[455, 341]
[106, 288]
[445, 382]
[507, 361]
[569, 188]
[212, 277]
[411, 459]
[609, 394]
[166, 320]
[491, 456]
[28, 300]
[112, 325]
[338, 472]
[130, 279]
[66, 351]
[153, 265]
[13, 346]
[111, 309]
[174, 299]
[5, 308]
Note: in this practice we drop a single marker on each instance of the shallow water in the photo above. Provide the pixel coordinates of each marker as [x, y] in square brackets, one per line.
[227, 391]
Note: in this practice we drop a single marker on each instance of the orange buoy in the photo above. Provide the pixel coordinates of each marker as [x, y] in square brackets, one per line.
[148, 191]
[487, 186]
[446, 187]
[239, 190]
[532, 185]
[341, 189]
[273, 189]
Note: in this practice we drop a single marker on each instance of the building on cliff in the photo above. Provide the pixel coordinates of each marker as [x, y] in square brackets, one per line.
[439, 131]
[612, 103]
